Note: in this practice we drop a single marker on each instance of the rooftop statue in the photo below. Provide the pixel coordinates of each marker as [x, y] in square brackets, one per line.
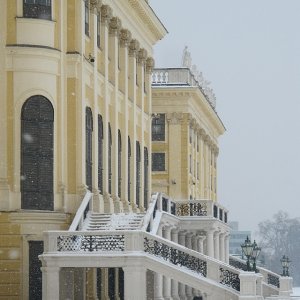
[186, 58]
[202, 82]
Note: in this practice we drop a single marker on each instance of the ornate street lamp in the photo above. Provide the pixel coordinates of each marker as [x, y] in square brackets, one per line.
[285, 262]
[247, 249]
[255, 254]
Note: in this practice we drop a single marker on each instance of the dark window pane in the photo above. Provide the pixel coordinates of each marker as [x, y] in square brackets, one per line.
[86, 18]
[111, 283]
[100, 154]
[37, 9]
[35, 274]
[109, 159]
[129, 161]
[158, 128]
[119, 163]
[146, 166]
[88, 149]
[138, 172]
[37, 154]
[158, 161]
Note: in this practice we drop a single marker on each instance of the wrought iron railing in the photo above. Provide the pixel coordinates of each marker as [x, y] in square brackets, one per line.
[229, 278]
[175, 256]
[195, 208]
[273, 280]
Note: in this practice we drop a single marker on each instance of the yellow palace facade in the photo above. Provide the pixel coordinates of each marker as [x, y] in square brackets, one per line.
[75, 115]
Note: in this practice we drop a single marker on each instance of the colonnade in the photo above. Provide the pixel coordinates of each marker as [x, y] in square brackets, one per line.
[121, 94]
[211, 242]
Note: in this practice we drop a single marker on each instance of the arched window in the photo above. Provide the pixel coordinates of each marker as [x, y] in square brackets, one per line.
[129, 159]
[100, 154]
[109, 159]
[146, 166]
[138, 172]
[37, 120]
[119, 163]
[88, 147]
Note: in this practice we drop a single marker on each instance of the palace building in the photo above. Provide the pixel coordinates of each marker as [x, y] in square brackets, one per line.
[108, 167]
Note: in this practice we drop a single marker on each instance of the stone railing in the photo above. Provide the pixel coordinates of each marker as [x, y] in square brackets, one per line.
[183, 77]
[82, 211]
[127, 242]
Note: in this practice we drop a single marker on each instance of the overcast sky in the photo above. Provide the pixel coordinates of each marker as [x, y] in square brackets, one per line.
[250, 51]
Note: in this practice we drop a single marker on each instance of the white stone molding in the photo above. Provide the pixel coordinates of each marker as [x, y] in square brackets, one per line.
[115, 26]
[125, 37]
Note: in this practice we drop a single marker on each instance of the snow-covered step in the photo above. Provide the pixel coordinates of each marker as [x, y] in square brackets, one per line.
[121, 221]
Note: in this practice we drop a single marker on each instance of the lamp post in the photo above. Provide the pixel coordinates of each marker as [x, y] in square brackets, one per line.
[247, 249]
[285, 262]
[255, 254]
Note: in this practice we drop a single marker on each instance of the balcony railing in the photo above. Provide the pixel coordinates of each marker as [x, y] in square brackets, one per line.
[182, 77]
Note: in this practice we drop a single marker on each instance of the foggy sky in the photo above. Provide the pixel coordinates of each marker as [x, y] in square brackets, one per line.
[250, 51]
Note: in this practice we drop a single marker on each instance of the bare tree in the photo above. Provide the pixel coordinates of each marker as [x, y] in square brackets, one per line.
[281, 236]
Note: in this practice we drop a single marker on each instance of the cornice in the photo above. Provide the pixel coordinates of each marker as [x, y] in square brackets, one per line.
[190, 92]
[148, 16]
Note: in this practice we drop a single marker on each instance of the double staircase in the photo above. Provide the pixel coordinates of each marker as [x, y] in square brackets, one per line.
[129, 240]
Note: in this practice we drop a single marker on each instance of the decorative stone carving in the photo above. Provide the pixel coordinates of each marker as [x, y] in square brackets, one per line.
[95, 5]
[150, 65]
[134, 47]
[125, 37]
[174, 118]
[202, 133]
[142, 56]
[186, 58]
[193, 123]
[115, 25]
[106, 13]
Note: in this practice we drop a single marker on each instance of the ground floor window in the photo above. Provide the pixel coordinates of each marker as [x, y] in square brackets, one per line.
[158, 162]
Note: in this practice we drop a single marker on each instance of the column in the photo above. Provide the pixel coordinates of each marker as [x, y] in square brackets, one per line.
[227, 248]
[174, 283]
[222, 247]
[106, 14]
[158, 278]
[202, 164]
[201, 244]
[133, 49]
[125, 37]
[135, 283]
[114, 29]
[167, 280]
[50, 281]
[141, 60]
[210, 242]
[181, 241]
[217, 245]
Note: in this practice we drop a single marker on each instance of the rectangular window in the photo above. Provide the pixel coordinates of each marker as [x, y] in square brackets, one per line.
[158, 162]
[98, 29]
[37, 9]
[158, 127]
[86, 18]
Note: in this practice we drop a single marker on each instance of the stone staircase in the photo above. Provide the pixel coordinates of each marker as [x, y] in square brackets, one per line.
[121, 221]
